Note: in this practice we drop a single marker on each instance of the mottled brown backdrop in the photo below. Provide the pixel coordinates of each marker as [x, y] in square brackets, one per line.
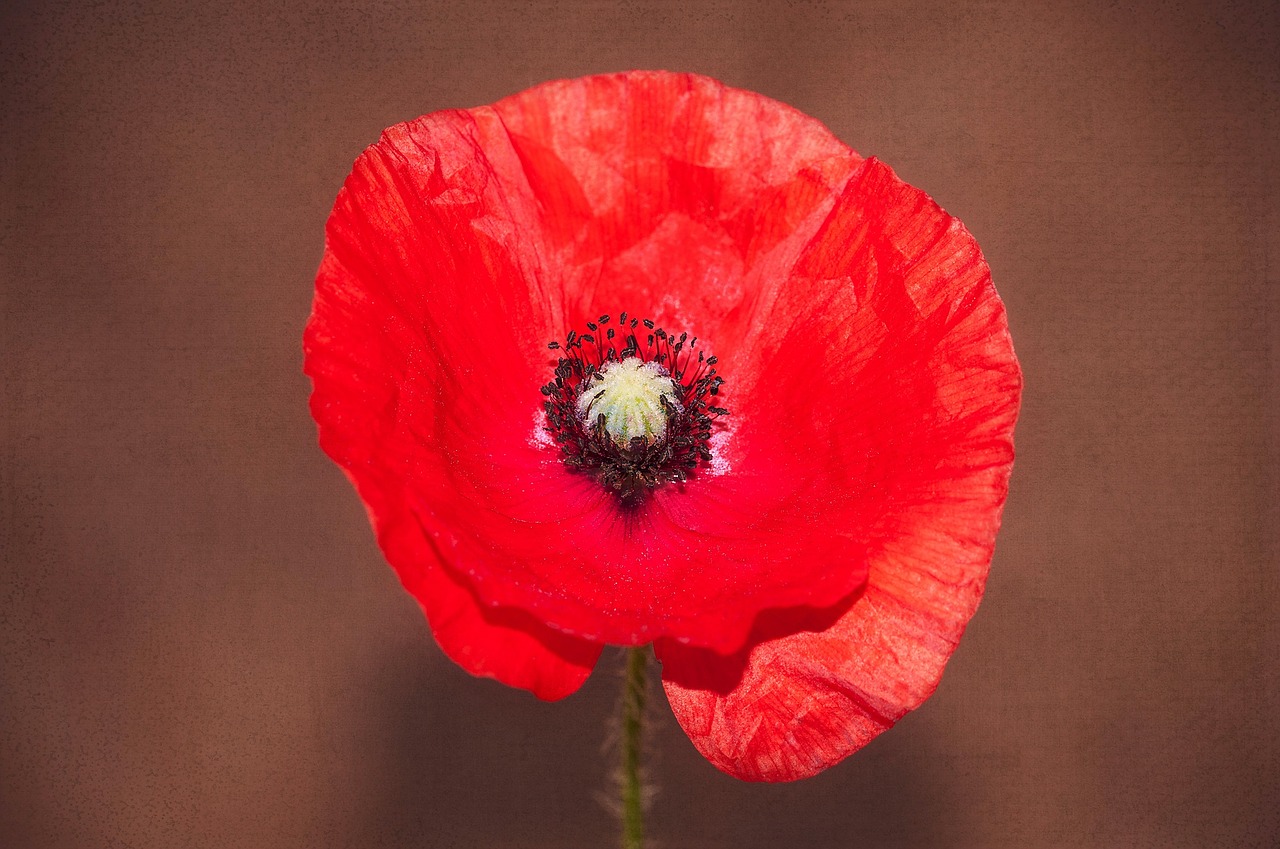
[200, 643]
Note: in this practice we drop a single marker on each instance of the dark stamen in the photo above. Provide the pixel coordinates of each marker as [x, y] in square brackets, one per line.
[634, 469]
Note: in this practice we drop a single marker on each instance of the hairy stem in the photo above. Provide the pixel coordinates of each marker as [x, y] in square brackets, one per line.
[633, 699]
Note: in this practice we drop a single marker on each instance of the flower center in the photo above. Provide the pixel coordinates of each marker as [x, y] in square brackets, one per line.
[634, 414]
[634, 397]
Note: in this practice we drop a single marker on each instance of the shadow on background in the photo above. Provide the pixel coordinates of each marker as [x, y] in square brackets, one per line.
[456, 761]
[452, 761]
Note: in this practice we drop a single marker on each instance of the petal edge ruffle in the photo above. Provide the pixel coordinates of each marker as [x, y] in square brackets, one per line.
[798, 703]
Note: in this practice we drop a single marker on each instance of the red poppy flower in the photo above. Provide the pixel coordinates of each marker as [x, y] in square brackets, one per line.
[798, 509]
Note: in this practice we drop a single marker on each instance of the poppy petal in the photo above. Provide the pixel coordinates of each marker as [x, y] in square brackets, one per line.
[937, 367]
[506, 644]
[378, 380]
[626, 167]
[501, 642]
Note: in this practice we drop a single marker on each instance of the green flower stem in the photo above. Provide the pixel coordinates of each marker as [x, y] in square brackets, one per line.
[633, 699]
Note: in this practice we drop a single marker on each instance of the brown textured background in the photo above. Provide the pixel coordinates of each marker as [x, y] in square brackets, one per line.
[200, 643]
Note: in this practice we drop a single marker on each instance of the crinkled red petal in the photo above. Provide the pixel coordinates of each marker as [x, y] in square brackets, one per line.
[936, 368]
[358, 382]
[463, 241]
